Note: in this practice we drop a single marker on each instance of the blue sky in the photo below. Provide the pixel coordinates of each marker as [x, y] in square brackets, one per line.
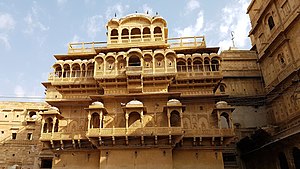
[31, 32]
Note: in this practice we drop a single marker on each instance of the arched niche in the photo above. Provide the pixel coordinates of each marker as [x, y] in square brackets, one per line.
[171, 59]
[159, 60]
[99, 63]
[148, 61]
[110, 63]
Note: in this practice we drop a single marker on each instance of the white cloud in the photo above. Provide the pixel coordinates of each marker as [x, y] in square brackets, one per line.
[61, 2]
[146, 8]
[234, 19]
[33, 22]
[118, 9]
[192, 30]
[7, 22]
[192, 5]
[94, 25]
[75, 38]
[19, 91]
[4, 40]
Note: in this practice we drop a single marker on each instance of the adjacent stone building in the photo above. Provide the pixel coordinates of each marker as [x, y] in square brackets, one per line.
[144, 100]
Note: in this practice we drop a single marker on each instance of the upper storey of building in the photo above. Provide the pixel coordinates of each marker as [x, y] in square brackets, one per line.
[135, 30]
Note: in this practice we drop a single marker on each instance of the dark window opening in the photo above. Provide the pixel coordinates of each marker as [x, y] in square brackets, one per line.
[134, 119]
[46, 163]
[229, 159]
[13, 136]
[29, 136]
[95, 120]
[125, 34]
[222, 88]
[175, 119]
[271, 22]
[134, 61]
[114, 34]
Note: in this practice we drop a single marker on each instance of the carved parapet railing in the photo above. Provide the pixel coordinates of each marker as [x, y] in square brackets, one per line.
[147, 131]
[209, 132]
[134, 70]
[46, 136]
[62, 136]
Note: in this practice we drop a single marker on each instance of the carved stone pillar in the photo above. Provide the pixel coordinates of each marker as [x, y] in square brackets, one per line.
[126, 119]
[89, 121]
[43, 123]
[169, 116]
[101, 118]
[54, 123]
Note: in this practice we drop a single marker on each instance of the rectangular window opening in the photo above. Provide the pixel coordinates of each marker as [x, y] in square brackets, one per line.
[14, 136]
[29, 136]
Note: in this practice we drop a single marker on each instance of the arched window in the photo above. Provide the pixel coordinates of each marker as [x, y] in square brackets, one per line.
[146, 34]
[75, 70]
[125, 34]
[215, 65]
[225, 123]
[282, 161]
[95, 120]
[157, 30]
[135, 33]
[66, 70]
[175, 119]
[134, 120]
[296, 156]
[198, 65]
[58, 70]
[48, 125]
[271, 22]
[114, 34]
[206, 65]
[157, 33]
[134, 61]
[181, 66]
[90, 70]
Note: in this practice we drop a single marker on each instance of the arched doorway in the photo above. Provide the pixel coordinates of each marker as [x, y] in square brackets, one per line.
[134, 120]
[95, 120]
[175, 119]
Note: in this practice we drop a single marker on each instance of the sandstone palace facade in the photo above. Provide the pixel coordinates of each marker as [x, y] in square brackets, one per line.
[144, 100]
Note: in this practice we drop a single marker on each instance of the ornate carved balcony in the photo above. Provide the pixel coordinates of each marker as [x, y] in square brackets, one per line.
[147, 131]
[62, 136]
